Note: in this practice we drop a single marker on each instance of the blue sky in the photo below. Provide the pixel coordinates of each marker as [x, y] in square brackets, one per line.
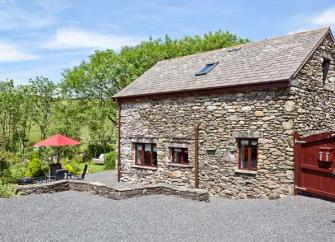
[44, 37]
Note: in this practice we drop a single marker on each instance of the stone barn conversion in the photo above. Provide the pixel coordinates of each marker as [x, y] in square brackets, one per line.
[223, 120]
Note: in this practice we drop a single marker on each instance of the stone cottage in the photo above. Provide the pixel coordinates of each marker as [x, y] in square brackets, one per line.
[224, 118]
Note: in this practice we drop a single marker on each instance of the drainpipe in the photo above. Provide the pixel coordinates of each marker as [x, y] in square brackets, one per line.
[196, 155]
[118, 142]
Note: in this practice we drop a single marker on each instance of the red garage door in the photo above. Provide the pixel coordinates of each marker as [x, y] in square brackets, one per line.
[315, 165]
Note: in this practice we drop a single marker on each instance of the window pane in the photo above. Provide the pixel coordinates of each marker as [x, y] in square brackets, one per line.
[206, 68]
[154, 155]
[244, 142]
[147, 154]
[254, 142]
[185, 156]
[139, 154]
[177, 155]
[254, 154]
[244, 153]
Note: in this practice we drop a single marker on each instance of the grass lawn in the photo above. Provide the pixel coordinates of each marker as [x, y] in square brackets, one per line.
[92, 168]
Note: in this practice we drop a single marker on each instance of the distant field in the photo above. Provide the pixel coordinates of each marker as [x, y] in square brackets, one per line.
[92, 168]
[34, 135]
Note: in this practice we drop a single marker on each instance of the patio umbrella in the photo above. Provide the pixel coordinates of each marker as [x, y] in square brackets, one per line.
[58, 141]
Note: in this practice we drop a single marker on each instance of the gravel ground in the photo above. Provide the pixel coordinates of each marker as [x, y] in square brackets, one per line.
[106, 177]
[73, 216]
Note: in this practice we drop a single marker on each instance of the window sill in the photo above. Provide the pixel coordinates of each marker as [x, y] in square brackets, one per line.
[153, 168]
[245, 172]
[180, 165]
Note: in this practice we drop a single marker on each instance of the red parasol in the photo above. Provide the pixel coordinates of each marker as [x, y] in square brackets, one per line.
[57, 140]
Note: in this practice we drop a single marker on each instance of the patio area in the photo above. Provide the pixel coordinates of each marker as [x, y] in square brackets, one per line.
[106, 177]
[74, 216]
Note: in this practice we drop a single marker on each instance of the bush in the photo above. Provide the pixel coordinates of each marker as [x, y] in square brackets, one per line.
[4, 161]
[34, 168]
[110, 160]
[72, 166]
[7, 190]
[18, 170]
[5, 175]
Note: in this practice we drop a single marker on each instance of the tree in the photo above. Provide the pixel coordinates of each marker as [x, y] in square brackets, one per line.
[68, 117]
[43, 97]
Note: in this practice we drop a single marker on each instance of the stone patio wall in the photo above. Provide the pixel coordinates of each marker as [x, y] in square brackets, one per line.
[113, 192]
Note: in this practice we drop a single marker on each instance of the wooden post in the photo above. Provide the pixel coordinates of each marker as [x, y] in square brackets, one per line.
[196, 156]
[119, 143]
[296, 152]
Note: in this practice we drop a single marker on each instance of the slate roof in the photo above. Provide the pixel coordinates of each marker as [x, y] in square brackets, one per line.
[259, 62]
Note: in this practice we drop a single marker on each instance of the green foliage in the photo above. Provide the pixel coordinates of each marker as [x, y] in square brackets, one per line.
[34, 168]
[92, 168]
[34, 154]
[5, 163]
[14, 116]
[110, 160]
[95, 150]
[72, 166]
[68, 117]
[18, 170]
[42, 93]
[7, 190]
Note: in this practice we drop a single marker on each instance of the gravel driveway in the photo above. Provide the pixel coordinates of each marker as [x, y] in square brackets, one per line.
[73, 216]
[106, 177]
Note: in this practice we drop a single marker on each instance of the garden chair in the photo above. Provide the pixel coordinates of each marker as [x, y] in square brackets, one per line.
[82, 177]
[100, 160]
[57, 172]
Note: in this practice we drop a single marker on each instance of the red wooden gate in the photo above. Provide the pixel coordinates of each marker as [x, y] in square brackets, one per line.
[314, 164]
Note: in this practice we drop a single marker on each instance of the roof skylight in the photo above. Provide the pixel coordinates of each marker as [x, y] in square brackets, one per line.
[206, 69]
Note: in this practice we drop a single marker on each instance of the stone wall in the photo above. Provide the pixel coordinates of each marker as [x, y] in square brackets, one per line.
[270, 116]
[112, 192]
[315, 102]
[265, 115]
[57, 186]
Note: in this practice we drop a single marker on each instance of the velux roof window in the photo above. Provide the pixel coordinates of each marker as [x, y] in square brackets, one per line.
[206, 69]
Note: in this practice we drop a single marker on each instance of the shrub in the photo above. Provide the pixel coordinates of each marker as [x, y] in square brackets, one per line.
[4, 161]
[34, 154]
[5, 174]
[7, 190]
[72, 166]
[34, 168]
[18, 170]
[110, 160]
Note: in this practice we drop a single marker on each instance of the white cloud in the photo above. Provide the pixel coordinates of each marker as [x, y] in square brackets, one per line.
[303, 22]
[17, 18]
[74, 38]
[12, 53]
[325, 18]
[34, 14]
